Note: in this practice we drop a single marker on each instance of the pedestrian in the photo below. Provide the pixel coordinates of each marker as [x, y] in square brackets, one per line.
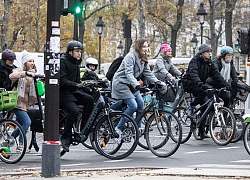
[23, 80]
[201, 68]
[6, 68]
[224, 63]
[72, 90]
[125, 85]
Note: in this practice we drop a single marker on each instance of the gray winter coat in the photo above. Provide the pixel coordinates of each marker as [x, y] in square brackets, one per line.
[128, 74]
[163, 69]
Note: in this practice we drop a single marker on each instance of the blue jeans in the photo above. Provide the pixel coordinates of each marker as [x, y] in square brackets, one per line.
[23, 119]
[134, 104]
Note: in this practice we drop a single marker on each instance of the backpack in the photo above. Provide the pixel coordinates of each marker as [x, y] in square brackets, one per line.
[114, 67]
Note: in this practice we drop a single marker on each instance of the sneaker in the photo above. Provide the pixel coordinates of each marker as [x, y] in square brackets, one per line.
[119, 132]
[190, 111]
[65, 143]
[19, 148]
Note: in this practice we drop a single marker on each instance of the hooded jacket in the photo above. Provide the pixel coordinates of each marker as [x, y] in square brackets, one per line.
[69, 77]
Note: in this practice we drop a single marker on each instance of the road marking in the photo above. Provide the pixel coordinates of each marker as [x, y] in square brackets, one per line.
[222, 166]
[81, 164]
[121, 160]
[242, 161]
[195, 152]
[234, 147]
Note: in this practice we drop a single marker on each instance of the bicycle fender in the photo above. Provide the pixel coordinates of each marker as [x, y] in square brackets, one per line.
[247, 120]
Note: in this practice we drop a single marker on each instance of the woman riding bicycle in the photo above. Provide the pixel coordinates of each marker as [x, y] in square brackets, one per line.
[199, 70]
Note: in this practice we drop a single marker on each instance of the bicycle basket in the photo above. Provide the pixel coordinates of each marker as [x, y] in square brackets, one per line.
[8, 100]
[40, 88]
[242, 94]
[166, 93]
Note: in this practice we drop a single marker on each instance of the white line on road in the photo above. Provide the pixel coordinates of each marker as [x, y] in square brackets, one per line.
[121, 160]
[234, 147]
[82, 164]
[222, 166]
[241, 161]
[195, 152]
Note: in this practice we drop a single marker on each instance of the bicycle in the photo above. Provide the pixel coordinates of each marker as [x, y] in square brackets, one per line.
[101, 128]
[162, 131]
[220, 119]
[10, 131]
[246, 135]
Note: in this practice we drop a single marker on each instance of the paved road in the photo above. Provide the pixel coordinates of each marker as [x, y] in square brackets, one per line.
[194, 154]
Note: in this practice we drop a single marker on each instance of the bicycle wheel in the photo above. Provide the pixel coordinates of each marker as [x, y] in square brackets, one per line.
[11, 133]
[239, 129]
[222, 126]
[36, 140]
[106, 139]
[185, 124]
[246, 138]
[163, 133]
[142, 139]
[79, 126]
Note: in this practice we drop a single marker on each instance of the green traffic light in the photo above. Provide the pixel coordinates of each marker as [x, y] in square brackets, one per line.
[78, 10]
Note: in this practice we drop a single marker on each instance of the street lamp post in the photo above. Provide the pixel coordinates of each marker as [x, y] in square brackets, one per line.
[100, 25]
[194, 42]
[120, 48]
[201, 14]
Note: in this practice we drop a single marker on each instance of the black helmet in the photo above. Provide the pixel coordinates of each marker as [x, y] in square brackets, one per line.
[72, 45]
[8, 54]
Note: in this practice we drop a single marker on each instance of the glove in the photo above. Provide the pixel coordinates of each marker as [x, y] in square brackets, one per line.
[228, 88]
[79, 86]
[206, 86]
[140, 88]
[160, 83]
[84, 88]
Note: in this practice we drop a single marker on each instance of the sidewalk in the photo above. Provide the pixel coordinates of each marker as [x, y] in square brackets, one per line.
[135, 174]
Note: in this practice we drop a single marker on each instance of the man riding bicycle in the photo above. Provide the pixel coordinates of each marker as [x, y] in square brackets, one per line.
[71, 90]
[199, 70]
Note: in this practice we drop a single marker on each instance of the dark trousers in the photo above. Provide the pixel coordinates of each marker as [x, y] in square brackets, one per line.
[71, 107]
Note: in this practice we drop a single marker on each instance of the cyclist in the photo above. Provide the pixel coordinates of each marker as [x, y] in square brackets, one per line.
[6, 68]
[91, 66]
[223, 62]
[71, 90]
[125, 85]
[22, 79]
[164, 69]
[200, 68]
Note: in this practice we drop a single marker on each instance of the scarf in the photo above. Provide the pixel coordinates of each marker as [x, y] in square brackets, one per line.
[21, 86]
[225, 71]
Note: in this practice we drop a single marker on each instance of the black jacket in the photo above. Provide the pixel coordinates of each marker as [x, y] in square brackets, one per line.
[199, 71]
[69, 77]
[5, 71]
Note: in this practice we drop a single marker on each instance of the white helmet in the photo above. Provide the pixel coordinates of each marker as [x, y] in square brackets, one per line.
[91, 61]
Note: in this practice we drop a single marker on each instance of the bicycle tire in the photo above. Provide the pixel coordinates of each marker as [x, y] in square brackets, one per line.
[185, 123]
[240, 126]
[86, 143]
[142, 139]
[246, 138]
[36, 140]
[106, 141]
[222, 127]
[9, 152]
[163, 133]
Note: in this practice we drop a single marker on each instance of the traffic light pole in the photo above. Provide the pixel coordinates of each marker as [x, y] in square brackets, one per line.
[51, 147]
[75, 36]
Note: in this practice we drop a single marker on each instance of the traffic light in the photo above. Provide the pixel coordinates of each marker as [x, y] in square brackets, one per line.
[126, 25]
[243, 41]
[70, 6]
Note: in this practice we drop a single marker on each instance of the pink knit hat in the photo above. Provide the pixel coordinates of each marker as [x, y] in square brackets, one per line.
[166, 48]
